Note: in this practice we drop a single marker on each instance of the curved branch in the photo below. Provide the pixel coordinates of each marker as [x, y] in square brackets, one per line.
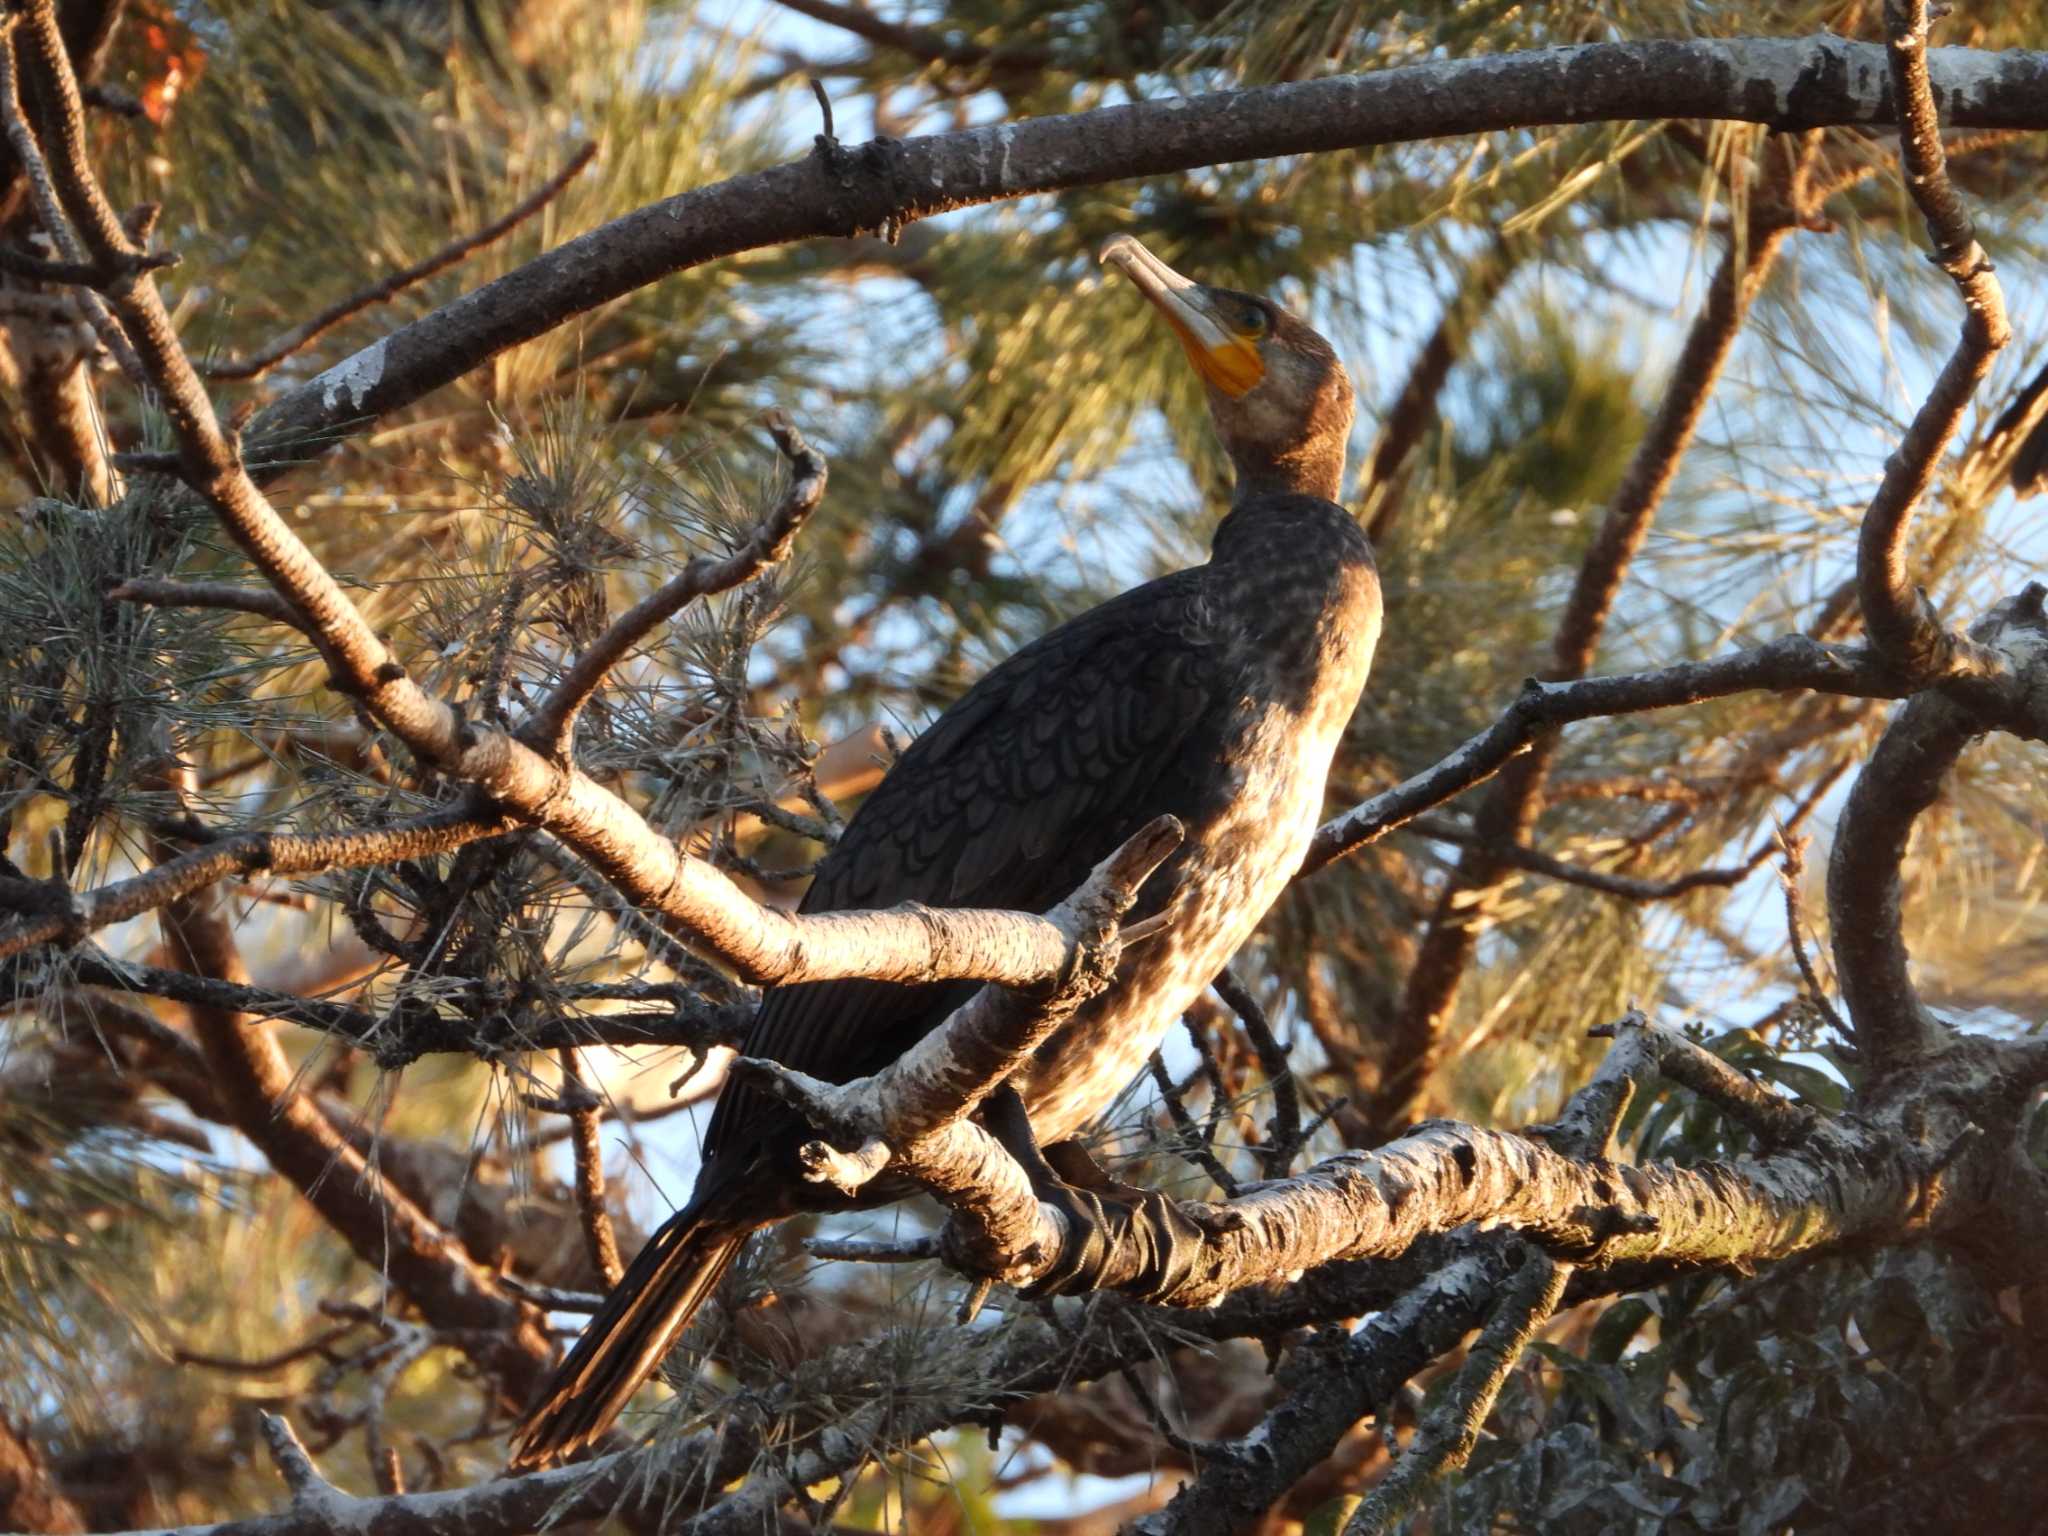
[1897, 617]
[1789, 83]
[260, 362]
[1900, 782]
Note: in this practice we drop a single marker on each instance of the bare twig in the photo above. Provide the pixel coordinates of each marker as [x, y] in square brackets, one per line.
[917, 42]
[588, 1151]
[1790, 662]
[310, 1491]
[1192, 1144]
[260, 362]
[320, 1344]
[1283, 1132]
[1902, 779]
[40, 269]
[262, 601]
[1790, 877]
[1629, 887]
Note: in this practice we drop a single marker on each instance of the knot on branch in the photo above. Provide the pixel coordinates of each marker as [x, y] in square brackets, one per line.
[870, 190]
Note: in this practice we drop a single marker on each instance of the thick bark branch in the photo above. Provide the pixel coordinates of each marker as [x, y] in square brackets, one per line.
[1788, 83]
[1902, 779]
[909, 1119]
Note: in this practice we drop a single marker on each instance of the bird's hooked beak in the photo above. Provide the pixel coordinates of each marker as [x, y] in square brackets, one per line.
[1223, 350]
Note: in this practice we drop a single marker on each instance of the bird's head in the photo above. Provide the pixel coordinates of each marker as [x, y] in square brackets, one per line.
[1281, 401]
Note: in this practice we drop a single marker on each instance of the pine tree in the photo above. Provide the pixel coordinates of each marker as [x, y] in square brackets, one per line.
[326, 1136]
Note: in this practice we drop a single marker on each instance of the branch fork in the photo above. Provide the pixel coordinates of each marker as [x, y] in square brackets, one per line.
[910, 1120]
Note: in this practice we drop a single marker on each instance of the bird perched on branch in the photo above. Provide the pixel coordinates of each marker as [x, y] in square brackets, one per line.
[1216, 695]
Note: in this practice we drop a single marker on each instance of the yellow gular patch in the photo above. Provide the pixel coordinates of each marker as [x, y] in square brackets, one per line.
[1235, 367]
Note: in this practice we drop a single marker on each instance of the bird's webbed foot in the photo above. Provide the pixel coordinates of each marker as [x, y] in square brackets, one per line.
[1137, 1238]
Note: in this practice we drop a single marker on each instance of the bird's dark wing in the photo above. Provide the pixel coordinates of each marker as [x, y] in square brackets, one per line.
[2030, 459]
[1008, 800]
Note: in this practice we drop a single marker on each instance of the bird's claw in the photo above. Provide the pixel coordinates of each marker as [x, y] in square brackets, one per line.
[1144, 1240]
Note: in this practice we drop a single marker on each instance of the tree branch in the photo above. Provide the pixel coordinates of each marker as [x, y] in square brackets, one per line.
[1789, 83]
[305, 334]
[1895, 615]
[1445, 1439]
[70, 917]
[1790, 662]
[909, 1119]
[261, 601]
[1902, 779]
[588, 1151]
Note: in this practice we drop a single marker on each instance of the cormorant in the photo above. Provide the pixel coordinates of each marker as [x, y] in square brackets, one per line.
[1215, 694]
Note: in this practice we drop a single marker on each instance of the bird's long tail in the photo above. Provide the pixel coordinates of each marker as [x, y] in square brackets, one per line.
[647, 1311]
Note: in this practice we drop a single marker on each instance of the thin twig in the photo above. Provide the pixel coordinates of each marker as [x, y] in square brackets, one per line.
[1631, 887]
[262, 601]
[1283, 1131]
[1190, 1144]
[586, 1122]
[303, 335]
[1790, 876]
[1789, 662]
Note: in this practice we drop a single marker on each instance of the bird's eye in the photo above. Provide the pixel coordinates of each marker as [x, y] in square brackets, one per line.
[1254, 320]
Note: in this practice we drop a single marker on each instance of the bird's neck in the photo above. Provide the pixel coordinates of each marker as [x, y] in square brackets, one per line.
[1315, 468]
